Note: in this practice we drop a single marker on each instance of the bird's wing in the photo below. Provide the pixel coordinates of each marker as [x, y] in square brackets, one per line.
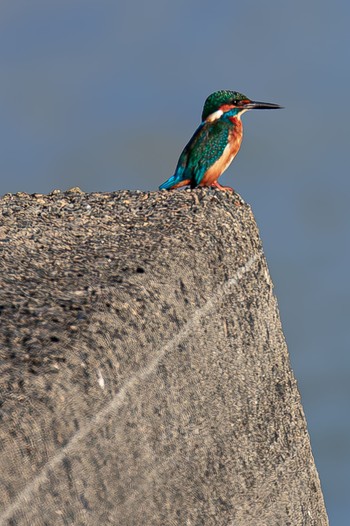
[205, 147]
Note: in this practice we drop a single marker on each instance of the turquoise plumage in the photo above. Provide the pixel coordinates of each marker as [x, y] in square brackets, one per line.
[204, 148]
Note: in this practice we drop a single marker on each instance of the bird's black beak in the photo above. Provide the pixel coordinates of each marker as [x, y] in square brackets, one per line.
[253, 105]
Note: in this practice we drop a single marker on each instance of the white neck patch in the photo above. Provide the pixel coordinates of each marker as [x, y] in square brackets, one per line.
[214, 116]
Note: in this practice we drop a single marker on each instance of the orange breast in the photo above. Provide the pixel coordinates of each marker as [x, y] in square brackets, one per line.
[235, 138]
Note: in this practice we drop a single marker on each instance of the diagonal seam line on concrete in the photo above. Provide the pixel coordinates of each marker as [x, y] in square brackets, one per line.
[31, 487]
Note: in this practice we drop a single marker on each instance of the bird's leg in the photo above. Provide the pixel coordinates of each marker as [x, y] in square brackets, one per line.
[217, 185]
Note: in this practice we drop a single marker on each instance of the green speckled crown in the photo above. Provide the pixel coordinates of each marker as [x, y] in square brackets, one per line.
[218, 98]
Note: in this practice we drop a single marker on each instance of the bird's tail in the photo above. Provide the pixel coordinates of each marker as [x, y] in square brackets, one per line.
[172, 181]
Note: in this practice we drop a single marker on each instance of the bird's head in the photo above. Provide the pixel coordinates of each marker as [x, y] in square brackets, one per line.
[224, 101]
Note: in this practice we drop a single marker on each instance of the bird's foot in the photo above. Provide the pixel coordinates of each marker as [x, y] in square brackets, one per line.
[237, 202]
[220, 187]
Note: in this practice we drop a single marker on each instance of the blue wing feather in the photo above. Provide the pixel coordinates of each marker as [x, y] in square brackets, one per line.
[202, 151]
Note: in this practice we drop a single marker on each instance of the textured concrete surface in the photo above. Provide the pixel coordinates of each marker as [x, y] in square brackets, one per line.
[144, 376]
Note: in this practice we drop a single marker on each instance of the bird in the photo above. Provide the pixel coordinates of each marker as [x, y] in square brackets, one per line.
[216, 141]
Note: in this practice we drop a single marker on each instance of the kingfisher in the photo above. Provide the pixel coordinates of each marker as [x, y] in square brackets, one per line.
[216, 141]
